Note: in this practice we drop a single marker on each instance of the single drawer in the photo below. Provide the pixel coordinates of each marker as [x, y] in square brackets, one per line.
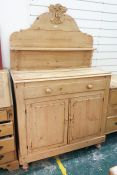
[33, 90]
[111, 125]
[8, 157]
[7, 145]
[113, 97]
[3, 115]
[6, 129]
[112, 110]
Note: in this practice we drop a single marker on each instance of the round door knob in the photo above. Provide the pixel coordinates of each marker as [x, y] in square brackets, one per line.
[89, 86]
[48, 91]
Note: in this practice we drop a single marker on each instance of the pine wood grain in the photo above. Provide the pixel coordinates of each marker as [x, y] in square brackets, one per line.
[6, 129]
[5, 91]
[48, 46]
[40, 95]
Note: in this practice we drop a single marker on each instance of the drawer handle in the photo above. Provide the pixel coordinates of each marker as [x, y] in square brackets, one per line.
[89, 86]
[1, 147]
[48, 91]
[1, 157]
[115, 123]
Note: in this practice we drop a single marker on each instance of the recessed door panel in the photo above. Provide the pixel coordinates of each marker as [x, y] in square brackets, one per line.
[47, 124]
[85, 116]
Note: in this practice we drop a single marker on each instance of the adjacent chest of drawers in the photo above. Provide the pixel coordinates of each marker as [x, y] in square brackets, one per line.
[8, 158]
[59, 110]
[111, 125]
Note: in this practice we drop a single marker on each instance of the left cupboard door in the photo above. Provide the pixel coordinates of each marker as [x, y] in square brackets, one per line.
[47, 124]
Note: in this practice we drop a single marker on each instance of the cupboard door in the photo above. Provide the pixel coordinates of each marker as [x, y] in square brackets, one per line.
[47, 124]
[85, 116]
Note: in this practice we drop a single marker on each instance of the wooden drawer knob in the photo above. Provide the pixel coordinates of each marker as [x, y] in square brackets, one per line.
[48, 91]
[89, 86]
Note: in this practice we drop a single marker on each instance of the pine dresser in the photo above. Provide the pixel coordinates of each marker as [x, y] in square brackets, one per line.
[8, 156]
[61, 101]
[111, 125]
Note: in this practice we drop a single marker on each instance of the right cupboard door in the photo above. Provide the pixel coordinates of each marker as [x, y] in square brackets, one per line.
[85, 116]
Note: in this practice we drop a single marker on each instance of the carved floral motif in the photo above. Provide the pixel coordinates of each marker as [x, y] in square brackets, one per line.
[57, 13]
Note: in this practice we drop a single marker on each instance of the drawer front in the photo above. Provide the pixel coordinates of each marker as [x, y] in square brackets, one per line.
[3, 115]
[7, 145]
[112, 110]
[6, 129]
[113, 97]
[8, 157]
[33, 89]
[111, 125]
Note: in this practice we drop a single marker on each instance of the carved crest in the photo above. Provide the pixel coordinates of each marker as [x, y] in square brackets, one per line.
[57, 13]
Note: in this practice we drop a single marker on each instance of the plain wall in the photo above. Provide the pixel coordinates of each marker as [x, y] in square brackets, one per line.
[14, 15]
[96, 17]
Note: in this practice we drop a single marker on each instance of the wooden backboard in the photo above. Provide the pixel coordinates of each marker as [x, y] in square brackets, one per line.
[53, 41]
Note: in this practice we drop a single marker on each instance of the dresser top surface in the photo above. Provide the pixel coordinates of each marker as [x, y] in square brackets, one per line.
[45, 75]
